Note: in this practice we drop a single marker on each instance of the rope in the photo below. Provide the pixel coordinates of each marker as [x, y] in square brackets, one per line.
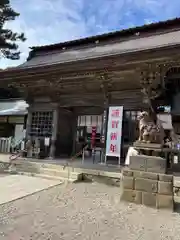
[15, 155]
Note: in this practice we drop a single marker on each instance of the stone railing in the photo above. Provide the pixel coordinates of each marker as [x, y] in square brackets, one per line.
[150, 189]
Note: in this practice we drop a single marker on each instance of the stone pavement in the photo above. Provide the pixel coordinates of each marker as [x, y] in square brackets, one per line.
[14, 187]
[84, 211]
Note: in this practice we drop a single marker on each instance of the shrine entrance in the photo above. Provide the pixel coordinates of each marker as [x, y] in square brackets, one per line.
[65, 133]
[89, 136]
[172, 88]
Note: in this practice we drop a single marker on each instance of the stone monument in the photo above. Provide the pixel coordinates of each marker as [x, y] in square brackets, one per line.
[145, 180]
[149, 146]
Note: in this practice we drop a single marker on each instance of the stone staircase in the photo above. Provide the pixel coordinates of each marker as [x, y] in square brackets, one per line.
[45, 170]
[59, 172]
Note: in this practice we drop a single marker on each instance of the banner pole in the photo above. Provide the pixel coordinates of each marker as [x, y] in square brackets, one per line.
[119, 160]
[105, 126]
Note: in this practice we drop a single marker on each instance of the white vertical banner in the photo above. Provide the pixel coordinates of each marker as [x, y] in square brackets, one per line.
[114, 132]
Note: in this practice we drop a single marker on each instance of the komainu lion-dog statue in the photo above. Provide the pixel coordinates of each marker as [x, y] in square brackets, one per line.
[149, 131]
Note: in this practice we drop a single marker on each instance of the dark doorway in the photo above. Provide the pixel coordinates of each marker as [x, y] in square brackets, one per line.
[172, 92]
[64, 142]
[6, 130]
[172, 89]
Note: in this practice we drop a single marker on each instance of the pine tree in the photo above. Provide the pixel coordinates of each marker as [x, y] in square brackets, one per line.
[8, 38]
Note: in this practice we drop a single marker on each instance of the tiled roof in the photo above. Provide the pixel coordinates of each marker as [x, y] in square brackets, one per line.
[13, 108]
[137, 44]
[121, 33]
[146, 37]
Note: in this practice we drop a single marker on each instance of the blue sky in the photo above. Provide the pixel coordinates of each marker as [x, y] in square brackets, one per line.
[51, 21]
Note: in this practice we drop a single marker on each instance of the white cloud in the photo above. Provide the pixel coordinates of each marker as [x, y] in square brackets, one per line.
[45, 23]
[51, 21]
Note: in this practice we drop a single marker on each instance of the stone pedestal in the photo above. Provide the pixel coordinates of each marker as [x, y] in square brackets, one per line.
[150, 146]
[148, 163]
[149, 189]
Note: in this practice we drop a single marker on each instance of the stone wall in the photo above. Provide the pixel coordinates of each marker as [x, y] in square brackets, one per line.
[148, 163]
[150, 189]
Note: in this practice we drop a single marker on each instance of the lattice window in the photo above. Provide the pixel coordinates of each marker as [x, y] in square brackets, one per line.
[90, 120]
[41, 124]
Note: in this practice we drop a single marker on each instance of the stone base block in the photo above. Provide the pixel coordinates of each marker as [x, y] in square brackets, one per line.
[146, 185]
[165, 178]
[138, 163]
[165, 188]
[132, 196]
[146, 175]
[148, 164]
[164, 201]
[150, 189]
[128, 182]
[127, 172]
[149, 199]
[156, 164]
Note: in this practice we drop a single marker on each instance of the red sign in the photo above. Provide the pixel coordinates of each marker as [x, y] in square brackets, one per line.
[93, 136]
[114, 132]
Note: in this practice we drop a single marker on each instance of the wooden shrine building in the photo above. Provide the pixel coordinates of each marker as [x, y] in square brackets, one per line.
[69, 85]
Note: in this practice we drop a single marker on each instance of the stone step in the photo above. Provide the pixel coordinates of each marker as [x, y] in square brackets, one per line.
[77, 173]
[54, 166]
[26, 169]
[48, 171]
[61, 179]
[65, 173]
[41, 165]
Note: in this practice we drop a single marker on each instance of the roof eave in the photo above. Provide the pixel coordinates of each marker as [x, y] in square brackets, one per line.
[35, 68]
[121, 33]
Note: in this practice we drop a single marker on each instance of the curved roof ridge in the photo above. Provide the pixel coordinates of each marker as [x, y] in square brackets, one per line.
[121, 33]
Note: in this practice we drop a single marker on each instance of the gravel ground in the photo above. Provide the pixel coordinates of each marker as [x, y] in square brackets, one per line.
[84, 211]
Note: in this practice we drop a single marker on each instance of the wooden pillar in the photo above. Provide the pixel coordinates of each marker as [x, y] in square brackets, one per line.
[105, 125]
[74, 132]
[54, 133]
[28, 137]
[106, 88]
[28, 123]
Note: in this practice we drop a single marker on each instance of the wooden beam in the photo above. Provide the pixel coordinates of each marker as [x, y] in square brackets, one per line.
[99, 64]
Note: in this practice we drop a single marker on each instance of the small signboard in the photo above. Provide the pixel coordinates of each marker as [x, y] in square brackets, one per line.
[47, 141]
[114, 132]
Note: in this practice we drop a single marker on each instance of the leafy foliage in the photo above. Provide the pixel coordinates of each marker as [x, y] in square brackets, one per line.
[9, 39]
